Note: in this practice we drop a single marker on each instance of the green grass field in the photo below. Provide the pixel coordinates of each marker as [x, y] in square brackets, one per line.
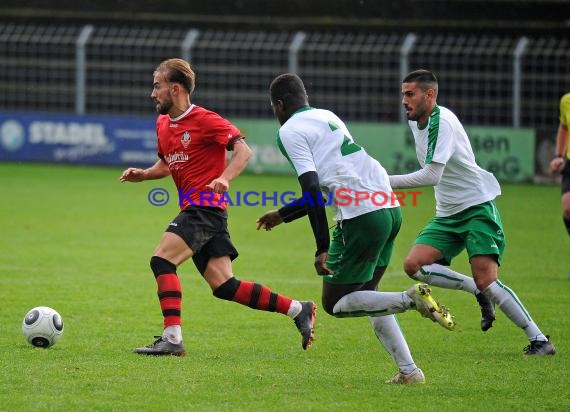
[77, 240]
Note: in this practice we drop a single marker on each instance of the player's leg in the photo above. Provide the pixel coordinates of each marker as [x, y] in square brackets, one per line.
[386, 328]
[356, 303]
[566, 204]
[566, 210]
[226, 286]
[419, 266]
[485, 269]
[353, 256]
[171, 252]
[566, 196]
[485, 246]
[186, 234]
[389, 334]
[218, 273]
[440, 241]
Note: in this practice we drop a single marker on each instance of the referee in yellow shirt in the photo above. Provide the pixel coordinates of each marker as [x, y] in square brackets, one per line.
[560, 162]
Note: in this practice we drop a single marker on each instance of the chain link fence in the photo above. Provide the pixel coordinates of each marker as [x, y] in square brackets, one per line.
[486, 80]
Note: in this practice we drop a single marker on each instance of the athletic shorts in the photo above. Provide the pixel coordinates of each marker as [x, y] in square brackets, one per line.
[565, 172]
[205, 231]
[361, 244]
[477, 229]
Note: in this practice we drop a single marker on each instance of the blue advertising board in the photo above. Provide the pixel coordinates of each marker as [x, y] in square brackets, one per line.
[104, 140]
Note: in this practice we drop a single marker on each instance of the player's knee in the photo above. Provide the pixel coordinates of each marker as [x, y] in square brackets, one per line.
[161, 266]
[482, 283]
[227, 290]
[411, 266]
[483, 279]
[417, 276]
[328, 306]
[329, 309]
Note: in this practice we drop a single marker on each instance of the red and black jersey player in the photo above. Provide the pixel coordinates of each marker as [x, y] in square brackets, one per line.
[192, 144]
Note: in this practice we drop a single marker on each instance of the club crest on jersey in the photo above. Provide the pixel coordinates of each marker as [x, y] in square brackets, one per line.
[185, 139]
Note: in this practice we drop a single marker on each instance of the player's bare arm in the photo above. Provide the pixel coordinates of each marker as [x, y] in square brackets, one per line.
[240, 157]
[157, 171]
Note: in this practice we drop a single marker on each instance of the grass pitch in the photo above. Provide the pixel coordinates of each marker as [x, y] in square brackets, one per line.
[77, 240]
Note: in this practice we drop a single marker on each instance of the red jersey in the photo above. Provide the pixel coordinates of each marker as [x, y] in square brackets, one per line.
[194, 146]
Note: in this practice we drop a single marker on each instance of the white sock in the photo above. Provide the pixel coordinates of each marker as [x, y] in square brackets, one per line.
[173, 334]
[390, 335]
[371, 303]
[294, 309]
[507, 300]
[443, 277]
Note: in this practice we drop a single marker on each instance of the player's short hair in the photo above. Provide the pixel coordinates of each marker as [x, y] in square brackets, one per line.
[178, 71]
[424, 78]
[288, 88]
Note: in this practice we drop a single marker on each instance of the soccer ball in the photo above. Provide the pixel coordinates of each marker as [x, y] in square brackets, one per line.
[42, 326]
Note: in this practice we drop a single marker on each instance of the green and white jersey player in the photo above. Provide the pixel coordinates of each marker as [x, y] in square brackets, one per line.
[328, 161]
[317, 140]
[466, 214]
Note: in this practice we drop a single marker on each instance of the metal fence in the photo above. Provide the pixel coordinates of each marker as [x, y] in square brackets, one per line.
[486, 80]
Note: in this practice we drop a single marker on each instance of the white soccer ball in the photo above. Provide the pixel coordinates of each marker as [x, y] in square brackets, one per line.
[42, 326]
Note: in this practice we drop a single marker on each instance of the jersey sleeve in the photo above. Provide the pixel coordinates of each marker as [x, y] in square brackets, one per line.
[223, 132]
[297, 151]
[565, 110]
[440, 143]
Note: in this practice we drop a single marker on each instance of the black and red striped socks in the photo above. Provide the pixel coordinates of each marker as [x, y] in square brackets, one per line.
[169, 290]
[256, 296]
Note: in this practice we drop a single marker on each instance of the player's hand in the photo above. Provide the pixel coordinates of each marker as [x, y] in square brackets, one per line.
[556, 164]
[321, 265]
[219, 185]
[269, 220]
[133, 174]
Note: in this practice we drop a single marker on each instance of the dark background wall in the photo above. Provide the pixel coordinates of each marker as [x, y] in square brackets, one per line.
[552, 16]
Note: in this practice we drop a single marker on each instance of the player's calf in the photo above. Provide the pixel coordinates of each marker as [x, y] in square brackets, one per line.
[487, 311]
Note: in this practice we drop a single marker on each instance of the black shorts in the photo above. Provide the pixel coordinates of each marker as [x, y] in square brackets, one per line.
[205, 231]
[566, 177]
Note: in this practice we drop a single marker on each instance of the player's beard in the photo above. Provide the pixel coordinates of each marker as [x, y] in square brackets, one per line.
[164, 107]
[417, 113]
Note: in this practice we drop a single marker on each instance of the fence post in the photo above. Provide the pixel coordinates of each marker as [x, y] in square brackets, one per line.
[81, 68]
[517, 79]
[405, 51]
[188, 43]
[294, 48]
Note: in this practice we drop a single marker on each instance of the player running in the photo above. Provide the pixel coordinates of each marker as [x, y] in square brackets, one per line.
[192, 143]
[466, 214]
[325, 158]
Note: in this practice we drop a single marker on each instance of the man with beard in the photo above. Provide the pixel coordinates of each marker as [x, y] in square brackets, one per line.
[466, 214]
[192, 143]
